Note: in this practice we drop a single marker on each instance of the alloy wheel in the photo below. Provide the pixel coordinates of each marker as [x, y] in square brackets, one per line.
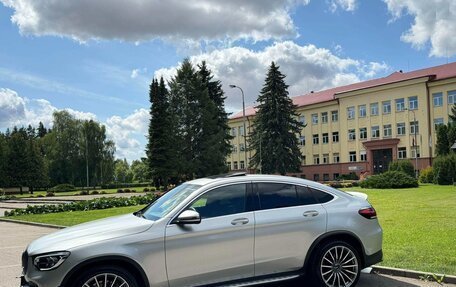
[339, 267]
[106, 280]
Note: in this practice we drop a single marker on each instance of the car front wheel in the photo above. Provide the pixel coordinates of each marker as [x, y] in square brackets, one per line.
[111, 276]
[337, 264]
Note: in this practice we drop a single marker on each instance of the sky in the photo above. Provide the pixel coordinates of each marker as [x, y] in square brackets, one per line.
[96, 59]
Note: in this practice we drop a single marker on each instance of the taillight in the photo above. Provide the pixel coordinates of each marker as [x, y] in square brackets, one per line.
[368, 213]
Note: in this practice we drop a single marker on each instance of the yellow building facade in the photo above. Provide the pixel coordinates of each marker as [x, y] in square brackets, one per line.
[362, 127]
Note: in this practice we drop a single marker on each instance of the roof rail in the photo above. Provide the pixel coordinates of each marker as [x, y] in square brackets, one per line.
[225, 175]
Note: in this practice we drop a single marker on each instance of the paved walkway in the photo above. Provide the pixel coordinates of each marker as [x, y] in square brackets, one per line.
[14, 238]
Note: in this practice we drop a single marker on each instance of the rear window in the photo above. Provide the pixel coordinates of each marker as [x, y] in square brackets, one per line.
[277, 195]
[305, 195]
[321, 196]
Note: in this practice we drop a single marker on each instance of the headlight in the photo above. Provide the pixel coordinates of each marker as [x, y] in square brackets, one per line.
[50, 261]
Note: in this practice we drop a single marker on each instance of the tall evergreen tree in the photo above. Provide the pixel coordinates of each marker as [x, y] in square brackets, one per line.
[443, 145]
[215, 138]
[160, 148]
[275, 128]
[37, 172]
[3, 160]
[17, 159]
[41, 130]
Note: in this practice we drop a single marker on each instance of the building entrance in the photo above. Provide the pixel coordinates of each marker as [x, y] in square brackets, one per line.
[382, 159]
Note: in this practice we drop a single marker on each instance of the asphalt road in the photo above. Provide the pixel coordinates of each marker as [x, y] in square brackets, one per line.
[15, 237]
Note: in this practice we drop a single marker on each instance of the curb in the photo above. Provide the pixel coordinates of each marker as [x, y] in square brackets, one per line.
[32, 223]
[409, 273]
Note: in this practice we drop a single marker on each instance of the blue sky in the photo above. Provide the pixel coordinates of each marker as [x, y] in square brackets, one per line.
[96, 58]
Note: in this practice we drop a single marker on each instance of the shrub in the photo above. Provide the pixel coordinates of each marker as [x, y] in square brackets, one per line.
[349, 176]
[389, 179]
[103, 192]
[94, 192]
[427, 175]
[133, 190]
[336, 184]
[153, 188]
[405, 166]
[146, 189]
[84, 192]
[62, 188]
[40, 195]
[93, 204]
[126, 190]
[445, 169]
[49, 194]
[120, 191]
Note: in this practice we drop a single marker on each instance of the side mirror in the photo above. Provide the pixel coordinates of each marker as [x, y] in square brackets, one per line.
[188, 217]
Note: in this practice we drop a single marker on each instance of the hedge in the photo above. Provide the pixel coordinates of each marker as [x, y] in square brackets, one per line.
[62, 188]
[389, 179]
[445, 169]
[402, 165]
[94, 204]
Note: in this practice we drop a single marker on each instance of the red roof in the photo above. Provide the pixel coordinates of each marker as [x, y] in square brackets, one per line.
[436, 73]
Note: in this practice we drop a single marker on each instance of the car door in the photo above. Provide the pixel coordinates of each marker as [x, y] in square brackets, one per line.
[287, 221]
[220, 248]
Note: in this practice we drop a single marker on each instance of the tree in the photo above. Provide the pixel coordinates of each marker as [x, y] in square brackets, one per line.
[139, 169]
[122, 171]
[160, 149]
[37, 172]
[17, 159]
[3, 160]
[442, 145]
[275, 128]
[452, 115]
[41, 131]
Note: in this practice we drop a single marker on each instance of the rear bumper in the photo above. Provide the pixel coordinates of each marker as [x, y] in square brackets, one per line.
[372, 259]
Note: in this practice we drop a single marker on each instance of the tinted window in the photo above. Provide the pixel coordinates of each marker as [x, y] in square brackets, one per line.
[222, 201]
[321, 196]
[277, 195]
[305, 196]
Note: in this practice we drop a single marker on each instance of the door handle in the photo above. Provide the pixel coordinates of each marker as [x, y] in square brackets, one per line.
[239, 221]
[310, 213]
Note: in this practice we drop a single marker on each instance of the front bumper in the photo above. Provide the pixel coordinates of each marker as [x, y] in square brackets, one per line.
[24, 283]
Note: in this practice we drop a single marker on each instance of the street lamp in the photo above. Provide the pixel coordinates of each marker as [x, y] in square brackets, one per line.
[245, 130]
[415, 142]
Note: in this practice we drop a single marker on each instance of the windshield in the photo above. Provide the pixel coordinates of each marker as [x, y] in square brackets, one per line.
[162, 206]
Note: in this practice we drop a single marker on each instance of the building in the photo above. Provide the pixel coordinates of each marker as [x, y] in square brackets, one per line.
[362, 127]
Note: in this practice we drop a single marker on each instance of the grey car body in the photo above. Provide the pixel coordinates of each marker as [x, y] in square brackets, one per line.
[262, 242]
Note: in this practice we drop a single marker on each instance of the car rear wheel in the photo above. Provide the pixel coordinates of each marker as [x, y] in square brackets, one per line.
[337, 264]
[111, 276]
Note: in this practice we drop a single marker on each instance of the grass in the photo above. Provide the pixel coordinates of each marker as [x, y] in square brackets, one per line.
[419, 225]
[70, 193]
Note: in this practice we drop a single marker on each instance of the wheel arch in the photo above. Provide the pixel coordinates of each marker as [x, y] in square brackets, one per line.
[119, 261]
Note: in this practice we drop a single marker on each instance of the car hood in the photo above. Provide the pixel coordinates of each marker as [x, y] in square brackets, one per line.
[90, 232]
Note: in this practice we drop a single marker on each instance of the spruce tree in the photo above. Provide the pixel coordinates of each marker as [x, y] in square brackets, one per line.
[452, 115]
[275, 128]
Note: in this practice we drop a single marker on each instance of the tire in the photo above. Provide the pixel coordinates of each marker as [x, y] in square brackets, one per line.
[336, 264]
[113, 276]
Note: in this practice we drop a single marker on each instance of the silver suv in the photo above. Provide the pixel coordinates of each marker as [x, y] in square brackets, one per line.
[231, 230]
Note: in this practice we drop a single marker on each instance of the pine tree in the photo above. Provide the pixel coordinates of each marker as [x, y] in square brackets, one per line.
[161, 159]
[41, 130]
[17, 159]
[3, 160]
[452, 115]
[442, 145]
[275, 128]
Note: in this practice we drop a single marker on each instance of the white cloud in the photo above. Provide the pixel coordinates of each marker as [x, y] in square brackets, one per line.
[307, 68]
[134, 73]
[142, 20]
[347, 5]
[434, 23]
[12, 107]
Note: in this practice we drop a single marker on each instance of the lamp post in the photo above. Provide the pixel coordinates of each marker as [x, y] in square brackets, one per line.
[245, 130]
[415, 142]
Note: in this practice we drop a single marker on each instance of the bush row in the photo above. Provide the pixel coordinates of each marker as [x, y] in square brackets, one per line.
[94, 204]
[389, 179]
[124, 185]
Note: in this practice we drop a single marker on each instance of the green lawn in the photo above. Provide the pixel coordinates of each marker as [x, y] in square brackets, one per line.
[419, 225]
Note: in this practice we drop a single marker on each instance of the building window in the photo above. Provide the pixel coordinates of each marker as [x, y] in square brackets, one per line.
[351, 135]
[326, 177]
[400, 105]
[402, 152]
[437, 98]
[228, 164]
[452, 97]
[234, 148]
[326, 158]
[386, 107]
[325, 138]
[400, 129]
[363, 133]
[413, 103]
[241, 163]
[415, 150]
[352, 156]
[316, 159]
[302, 140]
[316, 177]
[324, 117]
[235, 165]
[375, 132]
[233, 132]
[374, 109]
[314, 119]
[302, 120]
[335, 176]
[335, 116]
[414, 128]
[241, 130]
[303, 160]
[335, 137]
[387, 131]
[438, 122]
[351, 113]
[241, 147]
[336, 158]
[363, 155]
[362, 111]
[315, 139]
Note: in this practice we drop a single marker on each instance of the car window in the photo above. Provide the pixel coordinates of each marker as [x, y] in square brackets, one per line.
[277, 195]
[321, 196]
[305, 196]
[221, 201]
